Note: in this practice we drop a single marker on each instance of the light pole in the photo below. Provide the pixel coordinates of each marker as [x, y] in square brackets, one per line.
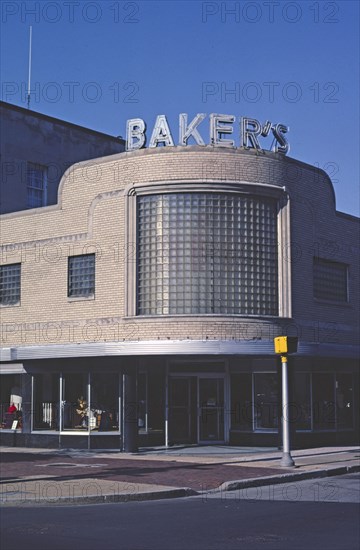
[284, 345]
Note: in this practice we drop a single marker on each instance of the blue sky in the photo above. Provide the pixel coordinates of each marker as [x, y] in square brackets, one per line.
[99, 63]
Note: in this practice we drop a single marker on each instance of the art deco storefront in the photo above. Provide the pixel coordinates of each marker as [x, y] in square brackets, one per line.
[141, 310]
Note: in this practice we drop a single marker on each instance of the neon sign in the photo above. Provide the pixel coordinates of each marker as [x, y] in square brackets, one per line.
[221, 126]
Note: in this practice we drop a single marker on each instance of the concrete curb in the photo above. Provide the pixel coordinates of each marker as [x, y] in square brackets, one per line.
[286, 478]
[185, 491]
[104, 499]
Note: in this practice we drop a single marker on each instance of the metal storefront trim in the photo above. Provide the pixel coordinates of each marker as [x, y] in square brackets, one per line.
[12, 368]
[176, 347]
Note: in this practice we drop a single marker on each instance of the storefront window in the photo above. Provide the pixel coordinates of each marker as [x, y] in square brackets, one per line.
[266, 401]
[76, 414]
[344, 401]
[46, 401]
[142, 401]
[104, 403]
[151, 402]
[11, 402]
[323, 401]
[301, 407]
[241, 402]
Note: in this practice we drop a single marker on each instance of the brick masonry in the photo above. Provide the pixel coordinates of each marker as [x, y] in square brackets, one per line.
[92, 215]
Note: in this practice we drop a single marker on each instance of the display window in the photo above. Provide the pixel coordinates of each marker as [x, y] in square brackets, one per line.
[321, 401]
[73, 402]
[46, 406]
[11, 414]
[104, 402]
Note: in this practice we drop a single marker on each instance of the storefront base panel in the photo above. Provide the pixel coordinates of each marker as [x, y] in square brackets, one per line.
[154, 439]
[84, 442]
[46, 441]
[242, 439]
[300, 440]
[37, 441]
[324, 439]
[106, 442]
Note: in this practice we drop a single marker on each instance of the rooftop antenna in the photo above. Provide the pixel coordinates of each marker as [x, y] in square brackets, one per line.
[29, 76]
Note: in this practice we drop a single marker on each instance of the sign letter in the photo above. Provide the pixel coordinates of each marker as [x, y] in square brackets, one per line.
[217, 128]
[135, 130]
[186, 131]
[282, 145]
[161, 133]
[250, 129]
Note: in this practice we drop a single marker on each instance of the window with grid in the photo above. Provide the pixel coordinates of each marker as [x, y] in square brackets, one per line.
[81, 276]
[202, 253]
[36, 185]
[10, 284]
[330, 280]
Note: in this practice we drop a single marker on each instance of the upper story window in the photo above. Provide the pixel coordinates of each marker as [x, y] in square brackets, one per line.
[36, 185]
[10, 276]
[81, 276]
[330, 280]
[206, 253]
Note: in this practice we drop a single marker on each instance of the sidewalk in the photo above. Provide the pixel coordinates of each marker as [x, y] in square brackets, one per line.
[51, 476]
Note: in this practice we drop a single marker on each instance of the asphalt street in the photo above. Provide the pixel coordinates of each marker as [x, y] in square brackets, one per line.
[306, 516]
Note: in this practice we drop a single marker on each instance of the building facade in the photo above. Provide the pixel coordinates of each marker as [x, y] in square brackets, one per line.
[36, 150]
[142, 308]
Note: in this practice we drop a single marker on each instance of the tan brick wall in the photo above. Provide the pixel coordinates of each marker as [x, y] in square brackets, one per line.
[90, 217]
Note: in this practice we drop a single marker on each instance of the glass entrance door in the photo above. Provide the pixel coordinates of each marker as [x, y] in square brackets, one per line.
[211, 410]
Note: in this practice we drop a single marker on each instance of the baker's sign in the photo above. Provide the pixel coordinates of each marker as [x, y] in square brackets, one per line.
[220, 127]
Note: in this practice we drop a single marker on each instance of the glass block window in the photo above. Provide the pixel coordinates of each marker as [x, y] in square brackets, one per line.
[206, 253]
[10, 276]
[81, 275]
[36, 185]
[330, 280]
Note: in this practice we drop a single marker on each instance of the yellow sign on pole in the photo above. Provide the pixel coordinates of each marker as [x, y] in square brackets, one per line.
[285, 344]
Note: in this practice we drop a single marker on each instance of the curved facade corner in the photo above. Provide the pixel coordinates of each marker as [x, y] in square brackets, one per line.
[145, 309]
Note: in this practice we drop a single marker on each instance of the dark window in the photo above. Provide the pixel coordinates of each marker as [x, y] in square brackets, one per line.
[10, 284]
[206, 253]
[330, 280]
[81, 275]
[302, 405]
[241, 402]
[266, 401]
[323, 394]
[344, 401]
[36, 185]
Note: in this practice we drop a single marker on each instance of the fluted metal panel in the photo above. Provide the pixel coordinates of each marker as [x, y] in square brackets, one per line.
[5, 354]
[176, 347]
